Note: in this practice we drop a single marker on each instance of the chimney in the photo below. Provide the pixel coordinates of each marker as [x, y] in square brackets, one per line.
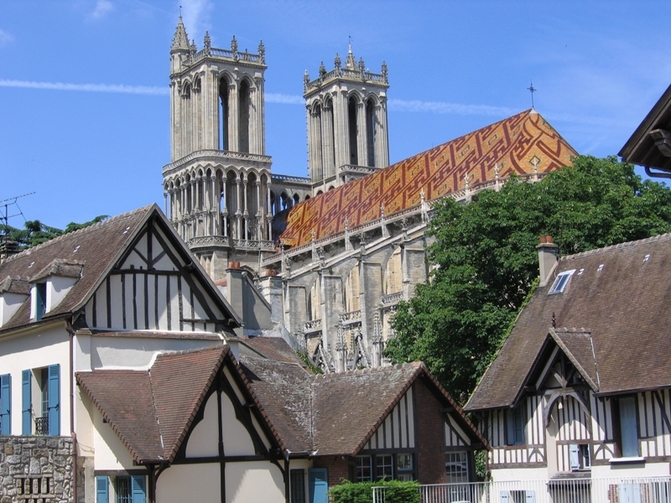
[547, 258]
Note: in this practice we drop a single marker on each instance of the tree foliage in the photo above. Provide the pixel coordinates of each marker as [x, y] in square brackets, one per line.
[35, 232]
[484, 260]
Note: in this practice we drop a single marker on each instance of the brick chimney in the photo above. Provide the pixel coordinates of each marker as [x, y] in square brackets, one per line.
[547, 258]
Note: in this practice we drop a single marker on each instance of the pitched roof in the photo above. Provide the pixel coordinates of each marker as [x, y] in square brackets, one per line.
[335, 414]
[648, 145]
[513, 145]
[618, 298]
[152, 420]
[88, 254]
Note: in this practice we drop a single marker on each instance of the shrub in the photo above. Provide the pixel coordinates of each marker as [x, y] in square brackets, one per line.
[362, 492]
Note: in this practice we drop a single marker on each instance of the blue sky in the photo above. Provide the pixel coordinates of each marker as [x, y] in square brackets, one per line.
[84, 107]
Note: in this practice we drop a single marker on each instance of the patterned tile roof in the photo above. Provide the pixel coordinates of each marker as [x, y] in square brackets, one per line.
[618, 298]
[513, 144]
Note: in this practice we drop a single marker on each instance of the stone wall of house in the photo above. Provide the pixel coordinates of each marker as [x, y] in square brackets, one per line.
[36, 469]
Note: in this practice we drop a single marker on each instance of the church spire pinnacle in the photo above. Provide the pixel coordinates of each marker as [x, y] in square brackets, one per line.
[180, 42]
[350, 63]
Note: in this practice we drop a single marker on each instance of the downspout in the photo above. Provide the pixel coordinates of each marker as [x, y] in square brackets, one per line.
[287, 493]
[73, 434]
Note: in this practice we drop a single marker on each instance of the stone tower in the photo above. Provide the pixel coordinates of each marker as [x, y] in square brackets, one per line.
[347, 122]
[217, 187]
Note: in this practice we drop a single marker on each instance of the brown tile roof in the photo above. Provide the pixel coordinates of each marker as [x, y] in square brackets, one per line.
[334, 414]
[91, 252]
[152, 410]
[274, 348]
[513, 144]
[619, 296]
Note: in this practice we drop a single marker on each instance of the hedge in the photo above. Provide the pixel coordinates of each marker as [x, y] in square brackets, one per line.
[362, 492]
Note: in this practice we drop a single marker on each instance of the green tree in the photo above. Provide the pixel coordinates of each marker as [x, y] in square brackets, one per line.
[484, 261]
[35, 232]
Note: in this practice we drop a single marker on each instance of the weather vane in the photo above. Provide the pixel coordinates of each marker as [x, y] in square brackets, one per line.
[532, 90]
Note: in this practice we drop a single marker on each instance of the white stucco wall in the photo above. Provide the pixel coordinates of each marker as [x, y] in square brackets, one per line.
[44, 346]
[110, 453]
[254, 481]
[203, 441]
[191, 483]
[237, 441]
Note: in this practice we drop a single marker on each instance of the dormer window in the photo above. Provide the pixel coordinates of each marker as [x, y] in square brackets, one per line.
[560, 282]
[40, 295]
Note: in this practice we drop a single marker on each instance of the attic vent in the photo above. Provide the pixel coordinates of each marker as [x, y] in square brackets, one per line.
[582, 270]
[600, 268]
[646, 258]
[126, 230]
[31, 264]
[76, 248]
[560, 282]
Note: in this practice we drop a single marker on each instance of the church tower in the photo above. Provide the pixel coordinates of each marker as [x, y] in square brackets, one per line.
[217, 185]
[347, 122]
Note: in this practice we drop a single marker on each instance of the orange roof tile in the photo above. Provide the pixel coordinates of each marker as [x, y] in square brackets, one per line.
[513, 144]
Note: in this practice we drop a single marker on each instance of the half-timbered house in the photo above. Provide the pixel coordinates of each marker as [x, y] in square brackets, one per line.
[581, 387]
[122, 380]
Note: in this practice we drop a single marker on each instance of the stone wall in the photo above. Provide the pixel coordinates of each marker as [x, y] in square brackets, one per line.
[36, 469]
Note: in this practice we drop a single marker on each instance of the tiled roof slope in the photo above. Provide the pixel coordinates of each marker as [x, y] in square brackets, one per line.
[152, 410]
[512, 144]
[618, 295]
[96, 248]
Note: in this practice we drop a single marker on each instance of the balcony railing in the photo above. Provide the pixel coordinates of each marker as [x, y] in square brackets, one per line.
[313, 326]
[42, 425]
[560, 490]
[351, 317]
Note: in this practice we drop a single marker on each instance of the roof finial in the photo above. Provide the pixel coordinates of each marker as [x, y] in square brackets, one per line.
[349, 46]
[532, 90]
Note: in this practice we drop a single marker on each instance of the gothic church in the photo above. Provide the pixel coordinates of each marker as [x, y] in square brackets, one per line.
[334, 253]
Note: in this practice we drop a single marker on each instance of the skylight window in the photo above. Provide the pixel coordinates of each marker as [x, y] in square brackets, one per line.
[561, 281]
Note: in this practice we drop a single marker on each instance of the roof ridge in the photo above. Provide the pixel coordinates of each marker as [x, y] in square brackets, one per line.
[597, 251]
[69, 235]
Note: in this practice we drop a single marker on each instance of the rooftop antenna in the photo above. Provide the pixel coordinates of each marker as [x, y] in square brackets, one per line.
[532, 90]
[11, 201]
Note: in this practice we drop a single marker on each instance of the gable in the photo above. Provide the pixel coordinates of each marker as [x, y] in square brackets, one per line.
[155, 286]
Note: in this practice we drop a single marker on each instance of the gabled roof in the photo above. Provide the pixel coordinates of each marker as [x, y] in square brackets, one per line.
[512, 145]
[620, 294]
[153, 419]
[336, 414]
[650, 145]
[91, 254]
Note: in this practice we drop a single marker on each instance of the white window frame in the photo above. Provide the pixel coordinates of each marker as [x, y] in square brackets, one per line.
[560, 282]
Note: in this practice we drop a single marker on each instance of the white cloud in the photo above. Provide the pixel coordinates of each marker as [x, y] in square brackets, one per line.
[196, 15]
[98, 88]
[441, 107]
[5, 38]
[284, 99]
[102, 8]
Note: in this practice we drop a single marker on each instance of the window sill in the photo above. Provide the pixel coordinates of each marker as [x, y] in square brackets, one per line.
[627, 460]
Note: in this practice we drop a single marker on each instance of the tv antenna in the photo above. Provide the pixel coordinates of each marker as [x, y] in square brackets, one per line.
[7, 204]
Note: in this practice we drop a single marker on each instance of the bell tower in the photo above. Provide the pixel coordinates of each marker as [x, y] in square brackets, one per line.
[217, 185]
[346, 122]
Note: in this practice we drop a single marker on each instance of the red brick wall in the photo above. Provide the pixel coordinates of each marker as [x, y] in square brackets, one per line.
[337, 467]
[430, 436]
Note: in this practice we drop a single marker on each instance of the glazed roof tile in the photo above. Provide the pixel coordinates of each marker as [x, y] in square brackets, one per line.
[513, 145]
[620, 295]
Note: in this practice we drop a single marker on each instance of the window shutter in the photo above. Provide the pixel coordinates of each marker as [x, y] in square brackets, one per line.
[5, 404]
[505, 497]
[137, 483]
[530, 497]
[574, 451]
[26, 403]
[102, 490]
[54, 400]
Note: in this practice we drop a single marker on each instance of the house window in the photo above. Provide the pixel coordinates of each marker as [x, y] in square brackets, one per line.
[456, 467]
[404, 467]
[384, 467]
[48, 421]
[121, 489]
[628, 438]
[560, 282]
[580, 457]
[515, 426]
[5, 404]
[40, 300]
[297, 486]
[364, 472]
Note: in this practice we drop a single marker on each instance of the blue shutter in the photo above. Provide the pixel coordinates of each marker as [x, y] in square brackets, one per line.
[54, 400]
[137, 485]
[102, 490]
[319, 485]
[5, 404]
[26, 403]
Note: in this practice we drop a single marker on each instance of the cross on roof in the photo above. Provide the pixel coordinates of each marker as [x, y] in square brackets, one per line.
[532, 90]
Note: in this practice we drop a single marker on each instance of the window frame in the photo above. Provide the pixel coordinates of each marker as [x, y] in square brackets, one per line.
[462, 466]
[626, 435]
[560, 282]
[516, 422]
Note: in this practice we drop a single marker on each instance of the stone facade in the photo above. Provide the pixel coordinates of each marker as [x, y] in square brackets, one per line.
[36, 470]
